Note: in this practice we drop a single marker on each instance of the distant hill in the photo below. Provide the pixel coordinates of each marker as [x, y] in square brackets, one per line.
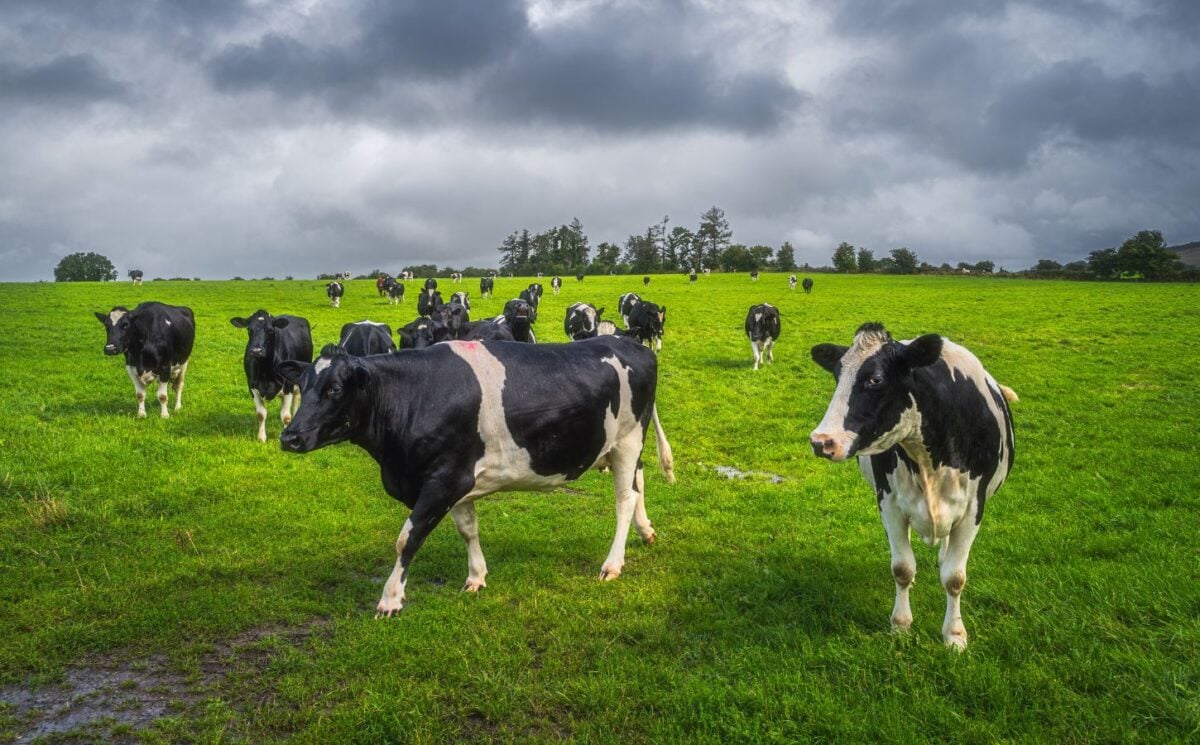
[1189, 253]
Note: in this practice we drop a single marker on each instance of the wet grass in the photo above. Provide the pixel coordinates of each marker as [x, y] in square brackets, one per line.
[761, 613]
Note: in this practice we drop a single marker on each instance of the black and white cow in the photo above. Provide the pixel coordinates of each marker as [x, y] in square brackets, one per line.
[462, 298]
[807, 284]
[136, 276]
[581, 321]
[345, 275]
[366, 337]
[381, 284]
[428, 302]
[692, 277]
[487, 329]
[646, 323]
[273, 339]
[486, 286]
[455, 277]
[934, 438]
[394, 290]
[157, 341]
[518, 316]
[533, 297]
[556, 284]
[762, 328]
[792, 282]
[521, 418]
[406, 276]
[431, 284]
[450, 319]
[754, 276]
[645, 280]
[335, 290]
[625, 305]
[416, 334]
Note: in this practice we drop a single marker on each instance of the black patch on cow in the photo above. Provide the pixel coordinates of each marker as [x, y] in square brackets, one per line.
[281, 338]
[365, 338]
[153, 336]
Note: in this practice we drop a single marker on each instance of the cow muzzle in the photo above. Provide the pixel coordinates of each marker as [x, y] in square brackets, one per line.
[258, 352]
[834, 446]
[111, 349]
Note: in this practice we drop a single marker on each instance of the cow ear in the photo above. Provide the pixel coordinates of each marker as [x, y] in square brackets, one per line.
[280, 323]
[599, 312]
[292, 370]
[828, 355]
[362, 375]
[102, 318]
[923, 351]
[239, 322]
[663, 311]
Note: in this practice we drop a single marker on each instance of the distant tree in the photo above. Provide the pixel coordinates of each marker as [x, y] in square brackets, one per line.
[762, 257]
[866, 260]
[1076, 267]
[843, 258]
[574, 245]
[785, 258]
[737, 258]
[422, 270]
[85, 267]
[904, 261]
[712, 237]
[1146, 254]
[985, 267]
[607, 256]
[641, 252]
[679, 249]
[1047, 265]
[1102, 263]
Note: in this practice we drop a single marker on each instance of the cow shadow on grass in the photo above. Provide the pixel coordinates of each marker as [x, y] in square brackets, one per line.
[100, 405]
[225, 424]
[729, 363]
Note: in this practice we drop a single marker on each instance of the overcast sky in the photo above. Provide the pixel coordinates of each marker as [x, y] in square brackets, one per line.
[273, 138]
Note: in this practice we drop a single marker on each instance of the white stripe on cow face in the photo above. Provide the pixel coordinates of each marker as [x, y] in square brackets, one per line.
[833, 425]
[321, 365]
[115, 316]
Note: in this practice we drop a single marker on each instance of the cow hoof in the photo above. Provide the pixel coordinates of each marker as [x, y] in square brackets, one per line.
[262, 438]
[287, 419]
[166, 414]
[387, 610]
[901, 625]
[474, 585]
[956, 640]
[141, 415]
[607, 573]
[650, 538]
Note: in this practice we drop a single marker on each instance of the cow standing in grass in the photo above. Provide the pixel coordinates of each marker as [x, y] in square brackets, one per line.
[934, 439]
[521, 418]
[808, 285]
[363, 338]
[157, 341]
[646, 322]
[581, 320]
[486, 286]
[792, 281]
[272, 340]
[762, 328]
[136, 276]
[334, 290]
[394, 291]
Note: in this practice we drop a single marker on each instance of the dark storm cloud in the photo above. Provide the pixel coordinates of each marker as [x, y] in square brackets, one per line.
[65, 81]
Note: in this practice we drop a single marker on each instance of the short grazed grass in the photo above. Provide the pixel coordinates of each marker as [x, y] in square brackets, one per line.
[760, 614]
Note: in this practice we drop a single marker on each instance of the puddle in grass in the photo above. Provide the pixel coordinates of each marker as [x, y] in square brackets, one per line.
[110, 698]
[732, 474]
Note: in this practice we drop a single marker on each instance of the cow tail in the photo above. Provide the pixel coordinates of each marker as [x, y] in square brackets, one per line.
[1009, 394]
[665, 460]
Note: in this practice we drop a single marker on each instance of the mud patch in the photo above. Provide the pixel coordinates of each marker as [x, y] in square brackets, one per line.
[734, 474]
[112, 697]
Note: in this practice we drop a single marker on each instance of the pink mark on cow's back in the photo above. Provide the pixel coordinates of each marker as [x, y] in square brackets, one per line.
[469, 344]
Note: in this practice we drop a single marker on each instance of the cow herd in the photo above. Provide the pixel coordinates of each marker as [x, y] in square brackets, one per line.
[456, 411]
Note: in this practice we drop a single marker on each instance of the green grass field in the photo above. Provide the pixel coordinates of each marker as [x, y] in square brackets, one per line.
[186, 548]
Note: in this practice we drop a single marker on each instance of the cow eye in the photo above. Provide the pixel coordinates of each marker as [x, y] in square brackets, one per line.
[335, 391]
[874, 381]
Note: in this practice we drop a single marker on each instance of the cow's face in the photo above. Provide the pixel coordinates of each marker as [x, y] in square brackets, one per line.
[330, 390]
[261, 328]
[518, 310]
[872, 408]
[116, 326]
[583, 321]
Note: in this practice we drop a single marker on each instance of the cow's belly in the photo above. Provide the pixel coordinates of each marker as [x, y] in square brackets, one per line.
[510, 471]
[931, 507]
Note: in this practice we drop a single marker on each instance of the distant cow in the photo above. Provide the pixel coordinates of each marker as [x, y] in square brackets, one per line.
[406, 276]
[807, 285]
[366, 337]
[395, 291]
[556, 284]
[431, 284]
[762, 328]
[518, 317]
[578, 277]
[625, 305]
[486, 286]
[345, 275]
[646, 323]
[645, 280]
[335, 290]
[754, 276]
[792, 282]
[581, 321]
[136, 276]
[455, 277]
[381, 284]
[417, 334]
[273, 340]
[157, 341]
[692, 277]
[438, 453]
[428, 301]
[451, 318]
[934, 438]
[462, 298]
[533, 296]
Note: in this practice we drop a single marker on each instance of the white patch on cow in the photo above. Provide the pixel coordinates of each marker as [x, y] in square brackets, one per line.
[116, 315]
[139, 390]
[321, 365]
[866, 343]
[504, 464]
[261, 409]
[167, 321]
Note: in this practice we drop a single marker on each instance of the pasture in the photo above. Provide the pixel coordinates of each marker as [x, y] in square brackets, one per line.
[233, 585]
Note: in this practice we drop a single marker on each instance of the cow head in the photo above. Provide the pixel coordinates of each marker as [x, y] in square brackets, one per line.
[117, 323]
[582, 321]
[331, 399]
[261, 327]
[417, 335]
[872, 408]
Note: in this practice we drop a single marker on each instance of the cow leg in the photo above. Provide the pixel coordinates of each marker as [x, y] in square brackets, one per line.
[139, 390]
[177, 377]
[953, 561]
[468, 527]
[430, 509]
[770, 350]
[623, 460]
[162, 398]
[261, 408]
[904, 564]
[285, 410]
[754, 351]
[641, 521]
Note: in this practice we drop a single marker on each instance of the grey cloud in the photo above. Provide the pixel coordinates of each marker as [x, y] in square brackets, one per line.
[73, 79]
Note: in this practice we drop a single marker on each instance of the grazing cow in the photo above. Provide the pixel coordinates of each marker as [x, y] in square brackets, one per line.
[381, 284]
[807, 285]
[431, 284]
[646, 323]
[754, 276]
[707, 270]
[581, 320]
[578, 277]
[792, 282]
[533, 297]
[273, 340]
[136, 276]
[428, 301]
[406, 276]
[556, 284]
[335, 290]
[762, 327]
[539, 275]
[519, 317]
[592, 405]
[933, 434]
[462, 298]
[692, 277]
[625, 305]
[645, 280]
[395, 291]
[366, 337]
[486, 286]
[345, 275]
[455, 277]
[157, 341]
